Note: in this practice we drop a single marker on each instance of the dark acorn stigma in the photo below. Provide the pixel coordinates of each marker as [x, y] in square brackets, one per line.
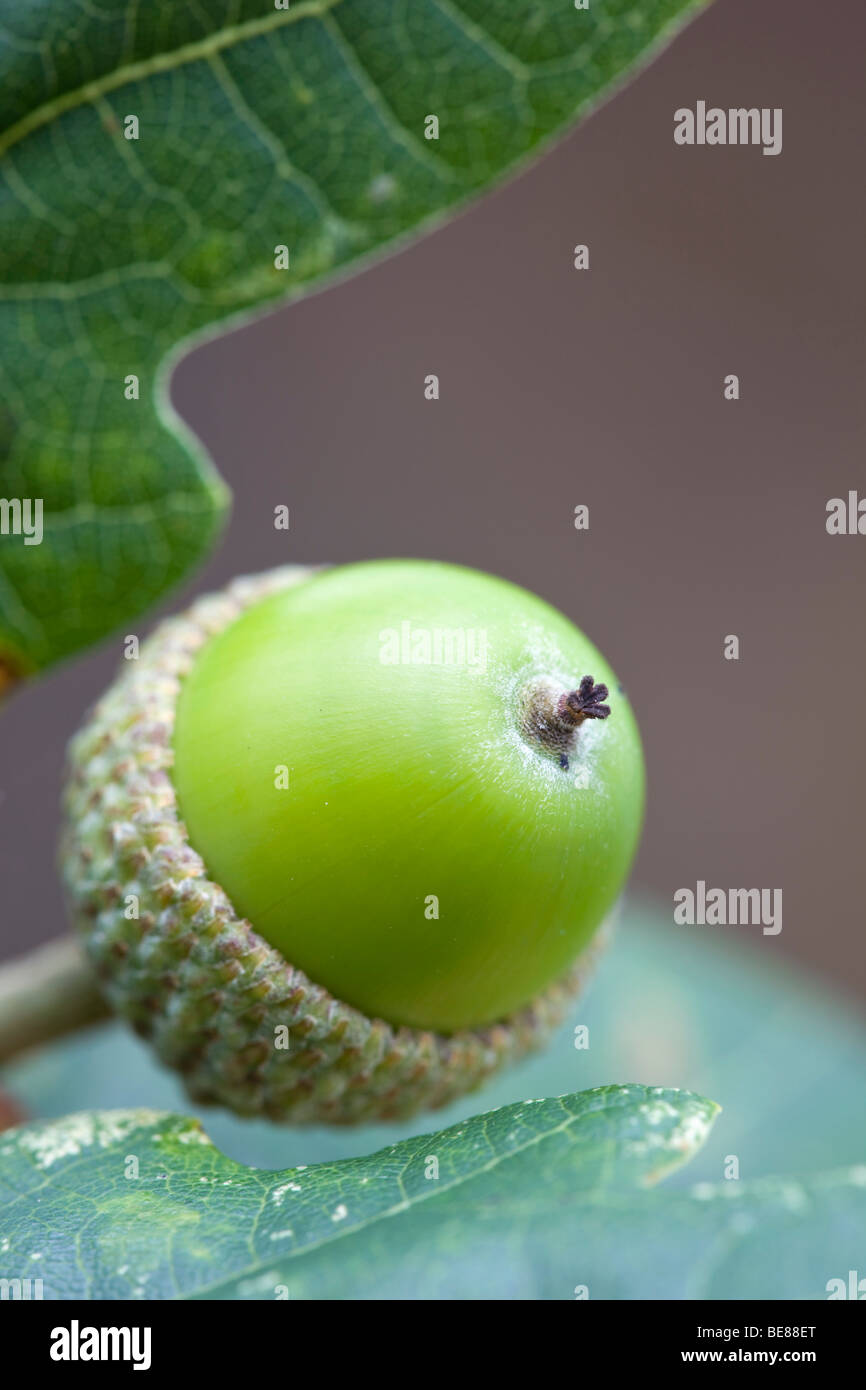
[553, 719]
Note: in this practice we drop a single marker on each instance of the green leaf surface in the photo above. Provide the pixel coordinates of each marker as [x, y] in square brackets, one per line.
[541, 1200]
[258, 127]
[123, 1204]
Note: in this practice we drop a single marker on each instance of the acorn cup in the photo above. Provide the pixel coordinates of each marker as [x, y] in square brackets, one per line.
[341, 842]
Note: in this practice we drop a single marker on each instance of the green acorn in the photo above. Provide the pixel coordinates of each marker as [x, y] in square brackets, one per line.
[340, 842]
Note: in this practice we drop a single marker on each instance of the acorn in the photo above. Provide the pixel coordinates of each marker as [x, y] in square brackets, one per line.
[342, 842]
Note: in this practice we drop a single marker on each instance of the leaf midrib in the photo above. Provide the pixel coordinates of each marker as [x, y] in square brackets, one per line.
[409, 1203]
[193, 52]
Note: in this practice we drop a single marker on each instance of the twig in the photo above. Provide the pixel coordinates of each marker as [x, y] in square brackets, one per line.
[45, 994]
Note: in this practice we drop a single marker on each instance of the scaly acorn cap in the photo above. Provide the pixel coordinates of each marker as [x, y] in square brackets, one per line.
[196, 979]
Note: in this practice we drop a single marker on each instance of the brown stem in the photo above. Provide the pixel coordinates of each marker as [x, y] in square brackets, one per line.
[9, 678]
[46, 994]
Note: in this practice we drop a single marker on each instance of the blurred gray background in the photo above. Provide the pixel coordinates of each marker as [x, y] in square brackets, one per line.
[601, 387]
